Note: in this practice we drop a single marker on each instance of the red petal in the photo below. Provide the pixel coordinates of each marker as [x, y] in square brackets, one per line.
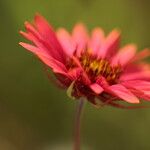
[145, 75]
[36, 38]
[139, 87]
[46, 31]
[48, 35]
[96, 88]
[80, 37]
[124, 55]
[66, 41]
[97, 40]
[110, 45]
[57, 66]
[136, 72]
[138, 84]
[30, 47]
[141, 55]
[123, 93]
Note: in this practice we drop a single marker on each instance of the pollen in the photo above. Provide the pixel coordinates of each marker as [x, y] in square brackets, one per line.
[100, 67]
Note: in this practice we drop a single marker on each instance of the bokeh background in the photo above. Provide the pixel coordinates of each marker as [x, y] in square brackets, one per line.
[34, 114]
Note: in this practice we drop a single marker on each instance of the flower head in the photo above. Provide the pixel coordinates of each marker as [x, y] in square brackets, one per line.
[93, 66]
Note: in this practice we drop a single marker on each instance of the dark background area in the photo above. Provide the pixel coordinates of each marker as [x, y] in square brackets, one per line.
[36, 115]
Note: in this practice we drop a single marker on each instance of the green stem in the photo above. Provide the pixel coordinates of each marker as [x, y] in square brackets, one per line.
[77, 131]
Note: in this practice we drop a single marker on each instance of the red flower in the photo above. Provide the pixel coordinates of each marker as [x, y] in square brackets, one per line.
[93, 67]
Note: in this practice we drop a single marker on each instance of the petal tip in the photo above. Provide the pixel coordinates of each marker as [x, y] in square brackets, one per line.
[117, 30]
[20, 43]
[26, 23]
[22, 32]
[80, 26]
[38, 16]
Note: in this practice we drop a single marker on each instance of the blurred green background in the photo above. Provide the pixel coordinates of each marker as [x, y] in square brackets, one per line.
[34, 114]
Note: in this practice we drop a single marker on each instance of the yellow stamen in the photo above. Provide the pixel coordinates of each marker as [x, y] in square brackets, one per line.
[95, 67]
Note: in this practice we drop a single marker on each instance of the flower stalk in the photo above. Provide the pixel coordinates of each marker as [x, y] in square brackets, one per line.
[77, 128]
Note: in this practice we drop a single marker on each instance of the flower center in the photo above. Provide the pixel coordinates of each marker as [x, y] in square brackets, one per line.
[100, 67]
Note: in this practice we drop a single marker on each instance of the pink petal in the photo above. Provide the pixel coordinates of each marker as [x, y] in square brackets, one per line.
[136, 71]
[102, 81]
[26, 35]
[80, 37]
[46, 31]
[32, 29]
[44, 49]
[137, 84]
[139, 87]
[132, 68]
[124, 55]
[110, 45]
[145, 75]
[123, 93]
[30, 47]
[40, 42]
[31, 36]
[57, 66]
[141, 55]
[66, 42]
[97, 40]
[96, 88]
[48, 35]
[34, 36]
[75, 73]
